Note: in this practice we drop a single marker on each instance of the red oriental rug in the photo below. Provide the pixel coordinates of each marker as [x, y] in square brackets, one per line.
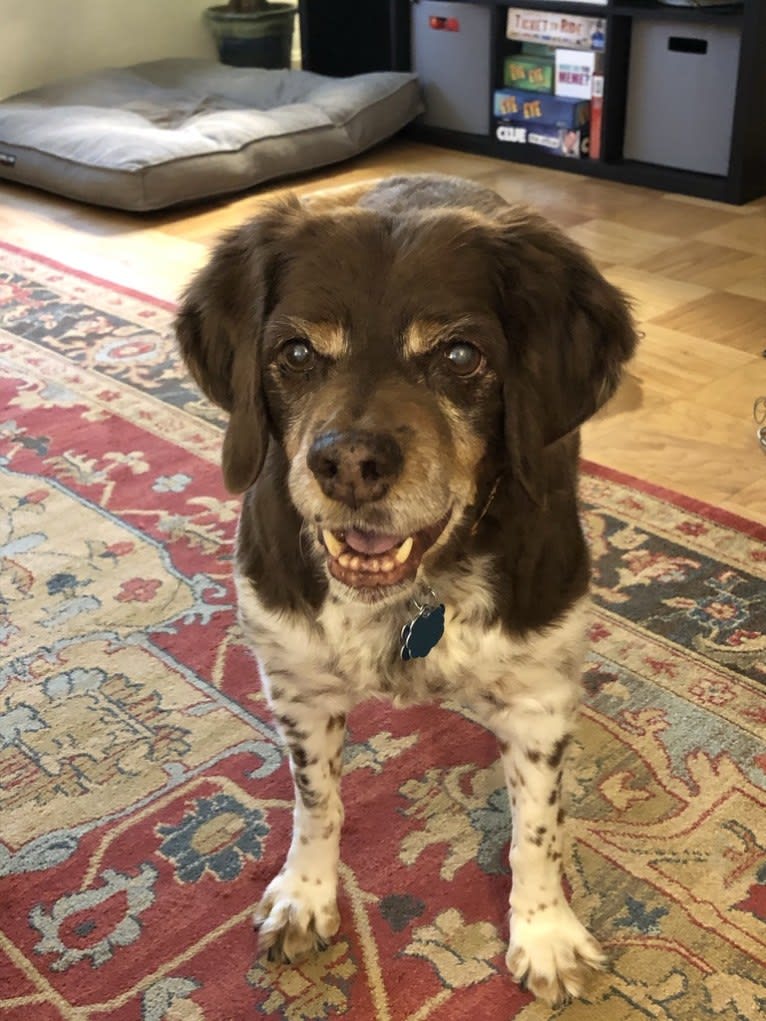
[145, 802]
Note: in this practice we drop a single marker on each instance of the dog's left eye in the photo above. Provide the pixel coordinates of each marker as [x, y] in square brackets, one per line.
[297, 355]
[464, 359]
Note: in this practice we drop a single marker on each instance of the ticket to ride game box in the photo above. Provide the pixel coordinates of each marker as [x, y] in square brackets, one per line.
[555, 29]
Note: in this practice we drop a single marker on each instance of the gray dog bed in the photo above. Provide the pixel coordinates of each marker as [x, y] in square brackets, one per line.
[173, 131]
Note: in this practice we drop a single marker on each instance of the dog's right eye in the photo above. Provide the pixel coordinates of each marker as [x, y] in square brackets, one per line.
[464, 359]
[297, 355]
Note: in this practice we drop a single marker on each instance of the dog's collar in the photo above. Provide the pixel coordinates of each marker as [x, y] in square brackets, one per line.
[424, 631]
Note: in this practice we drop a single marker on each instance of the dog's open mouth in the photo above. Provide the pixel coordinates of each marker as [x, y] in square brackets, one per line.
[376, 559]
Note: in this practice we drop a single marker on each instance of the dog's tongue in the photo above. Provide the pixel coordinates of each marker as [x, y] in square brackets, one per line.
[371, 543]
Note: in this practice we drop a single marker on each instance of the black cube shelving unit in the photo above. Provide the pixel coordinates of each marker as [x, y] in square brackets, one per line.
[343, 37]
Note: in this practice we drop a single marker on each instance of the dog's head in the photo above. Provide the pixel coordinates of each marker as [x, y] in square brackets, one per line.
[400, 362]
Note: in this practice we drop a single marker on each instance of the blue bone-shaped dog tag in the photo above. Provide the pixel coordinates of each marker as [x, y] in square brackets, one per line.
[420, 635]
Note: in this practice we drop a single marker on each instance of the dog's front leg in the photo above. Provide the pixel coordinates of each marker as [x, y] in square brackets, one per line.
[550, 951]
[298, 912]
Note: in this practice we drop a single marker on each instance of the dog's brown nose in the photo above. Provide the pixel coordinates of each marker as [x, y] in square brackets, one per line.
[355, 467]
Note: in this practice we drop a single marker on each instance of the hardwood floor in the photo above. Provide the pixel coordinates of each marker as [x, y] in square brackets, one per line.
[695, 269]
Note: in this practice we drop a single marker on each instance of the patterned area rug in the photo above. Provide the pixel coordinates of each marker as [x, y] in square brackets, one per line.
[144, 801]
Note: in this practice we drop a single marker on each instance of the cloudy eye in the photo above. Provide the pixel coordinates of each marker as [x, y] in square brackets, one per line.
[297, 355]
[464, 359]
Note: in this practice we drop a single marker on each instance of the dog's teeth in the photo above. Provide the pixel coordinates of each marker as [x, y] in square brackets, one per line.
[388, 565]
[356, 563]
[345, 560]
[404, 551]
[334, 547]
[373, 565]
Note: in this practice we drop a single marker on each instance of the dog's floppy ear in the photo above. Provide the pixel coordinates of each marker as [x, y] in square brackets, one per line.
[569, 334]
[219, 327]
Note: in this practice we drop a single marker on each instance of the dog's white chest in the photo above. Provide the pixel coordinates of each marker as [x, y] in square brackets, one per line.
[353, 650]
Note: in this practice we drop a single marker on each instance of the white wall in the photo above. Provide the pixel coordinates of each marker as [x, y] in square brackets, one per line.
[41, 40]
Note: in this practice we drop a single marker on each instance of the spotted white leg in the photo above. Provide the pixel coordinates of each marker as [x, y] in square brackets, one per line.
[550, 951]
[298, 912]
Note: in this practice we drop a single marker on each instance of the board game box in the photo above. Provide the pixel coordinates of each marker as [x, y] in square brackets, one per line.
[568, 142]
[537, 50]
[596, 116]
[531, 73]
[574, 73]
[539, 108]
[555, 29]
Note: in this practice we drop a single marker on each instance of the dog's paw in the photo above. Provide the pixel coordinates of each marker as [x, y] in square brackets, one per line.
[297, 915]
[553, 955]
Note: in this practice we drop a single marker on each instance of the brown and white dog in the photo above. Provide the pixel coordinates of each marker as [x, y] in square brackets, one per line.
[405, 373]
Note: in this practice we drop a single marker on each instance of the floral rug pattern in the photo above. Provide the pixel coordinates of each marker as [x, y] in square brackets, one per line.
[144, 798]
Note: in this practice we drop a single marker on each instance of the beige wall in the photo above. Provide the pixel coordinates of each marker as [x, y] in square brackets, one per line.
[41, 40]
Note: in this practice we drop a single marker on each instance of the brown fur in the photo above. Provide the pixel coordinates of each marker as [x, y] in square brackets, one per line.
[405, 374]
[379, 284]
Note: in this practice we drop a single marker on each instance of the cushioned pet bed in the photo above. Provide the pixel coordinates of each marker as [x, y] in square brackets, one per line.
[172, 131]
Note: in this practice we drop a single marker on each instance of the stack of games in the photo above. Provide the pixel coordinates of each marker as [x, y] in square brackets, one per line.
[553, 84]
